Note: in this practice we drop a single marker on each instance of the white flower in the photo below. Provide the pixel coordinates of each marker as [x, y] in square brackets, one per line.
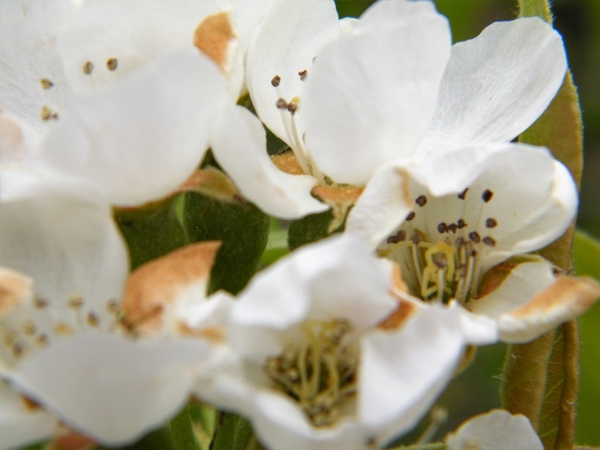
[64, 271]
[496, 430]
[350, 96]
[145, 132]
[327, 358]
[450, 220]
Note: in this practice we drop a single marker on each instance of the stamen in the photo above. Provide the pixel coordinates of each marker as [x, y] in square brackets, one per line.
[46, 113]
[92, 319]
[410, 216]
[487, 195]
[40, 302]
[489, 241]
[421, 200]
[442, 227]
[88, 67]
[463, 194]
[453, 227]
[276, 80]
[46, 83]
[29, 328]
[292, 107]
[303, 74]
[474, 236]
[75, 301]
[281, 103]
[398, 237]
[491, 223]
[111, 64]
[461, 224]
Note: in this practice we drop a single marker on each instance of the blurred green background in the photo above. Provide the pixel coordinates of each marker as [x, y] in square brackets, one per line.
[476, 390]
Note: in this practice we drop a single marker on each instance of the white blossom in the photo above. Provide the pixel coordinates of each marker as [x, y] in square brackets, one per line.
[322, 356]
[496, 430]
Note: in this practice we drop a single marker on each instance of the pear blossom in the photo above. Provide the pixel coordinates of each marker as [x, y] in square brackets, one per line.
[64, 346]
[163, 109]
[351, 96]
[496, 430]
[321, 355]
[459, 222]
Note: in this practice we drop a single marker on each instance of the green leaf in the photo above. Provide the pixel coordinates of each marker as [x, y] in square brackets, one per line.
[234, 433]
[310, 229]
[151, 231]
[182, 433]
[242, 228]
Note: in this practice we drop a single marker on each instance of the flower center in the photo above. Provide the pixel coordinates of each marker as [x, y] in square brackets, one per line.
[320, 372]
[26, 330]
[442, 260]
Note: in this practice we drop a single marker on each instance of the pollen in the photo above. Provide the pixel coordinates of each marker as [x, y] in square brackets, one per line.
[112, 64]
[45, 83]
[88, 67]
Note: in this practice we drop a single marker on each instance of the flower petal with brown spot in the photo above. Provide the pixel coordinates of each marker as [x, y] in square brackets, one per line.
[214, 37]
[156, 285]
[15, 288]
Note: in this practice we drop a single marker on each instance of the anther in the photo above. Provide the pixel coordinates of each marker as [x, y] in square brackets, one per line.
[302, 74]
[46, 113]
[17, 350]
[410, 216]
[487, 195]
[398, 237]
[442, 227]
[276, 80]
[292, 107]
[40, 302]
[46, 83]
[88, 67]
[29, 328]
[111, 64]
[463, 194]
[421, 200]
[489, 241]
[41, 340]
[461, 224]
[460, 242]
[75, 301]
[491, 222]
[416, 238]
[453, 227]
[281, 103]
[113, 306]
[92, 319]
[474, 236]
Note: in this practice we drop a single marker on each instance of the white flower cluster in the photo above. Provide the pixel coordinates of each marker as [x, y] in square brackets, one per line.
[345, 343]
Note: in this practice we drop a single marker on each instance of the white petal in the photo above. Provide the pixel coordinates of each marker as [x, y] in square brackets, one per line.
[239, 145]
[371, 95]
[496, 430]
[67, 246]
[28, 31]
[403, 372]
[498, 84]
[335, 278]
[384, 203]
[285, 43]
[281, 424]
[531, 301]
[19, 424]
[139, 140]
[109, 388]
[134, 33]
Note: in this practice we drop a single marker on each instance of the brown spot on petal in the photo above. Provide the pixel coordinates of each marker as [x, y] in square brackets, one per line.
[287, 162]
[566, 299]
[495, 277]
[160, 282]
[72, 441]
[340, 199]
[214, 334]
[15, 288]
[213, 37]
[400, 315]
